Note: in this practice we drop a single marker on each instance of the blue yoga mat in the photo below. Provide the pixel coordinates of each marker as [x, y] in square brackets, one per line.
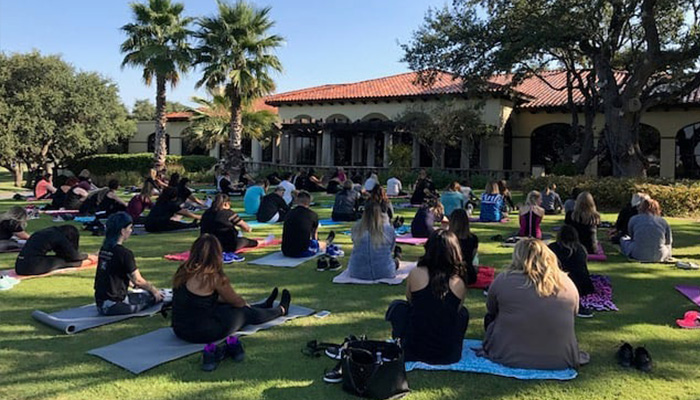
[329, 222]
[470, 362]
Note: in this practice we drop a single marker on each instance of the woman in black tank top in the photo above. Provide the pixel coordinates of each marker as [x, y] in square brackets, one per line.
[205, 306]
[432, 323]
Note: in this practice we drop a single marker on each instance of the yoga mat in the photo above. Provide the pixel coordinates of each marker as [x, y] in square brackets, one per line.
[144, 352]
[90, 262]
[401, 274]
[186, 254]
[601, 299]
[329, 222]
[599, 255]
[502, 221]
[470, 362]
[691, 292]
[277, 259]
[256, 223]
[407, 205]
[78, 319]
[484, 277]
[84, 219]
[54, 212]
[409, 239]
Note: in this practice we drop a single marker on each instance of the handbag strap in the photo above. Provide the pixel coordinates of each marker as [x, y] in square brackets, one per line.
[375, 368]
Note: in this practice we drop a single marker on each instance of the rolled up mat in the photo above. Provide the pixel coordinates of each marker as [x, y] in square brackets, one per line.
[78, 319]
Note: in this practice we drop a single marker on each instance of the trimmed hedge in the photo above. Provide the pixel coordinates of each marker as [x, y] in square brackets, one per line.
[141, 163]
[679, 198]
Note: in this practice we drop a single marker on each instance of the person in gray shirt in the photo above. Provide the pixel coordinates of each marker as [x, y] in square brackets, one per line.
[650, 238]
[551, 202]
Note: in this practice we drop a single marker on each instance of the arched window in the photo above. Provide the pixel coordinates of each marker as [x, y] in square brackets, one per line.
[551, 145]
[688, 152]
[152, 143]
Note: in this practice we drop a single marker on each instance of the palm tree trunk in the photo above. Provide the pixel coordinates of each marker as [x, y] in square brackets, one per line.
[234, 152]
[160, 145]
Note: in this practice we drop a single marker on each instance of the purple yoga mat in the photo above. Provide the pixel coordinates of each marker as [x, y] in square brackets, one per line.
[476, 219]
[691, 292]
[409, 239]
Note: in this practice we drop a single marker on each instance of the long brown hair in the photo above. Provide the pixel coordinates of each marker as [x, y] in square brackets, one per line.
[585, 211]
[459, 223]
[372, 222]
[443, 259]
[219, 201]
[378, 194]
[205, 262]
[539, 264]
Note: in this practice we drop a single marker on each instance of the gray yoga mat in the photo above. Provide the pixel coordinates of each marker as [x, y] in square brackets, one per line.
[86, 317]
[278, 259]
[144, 352]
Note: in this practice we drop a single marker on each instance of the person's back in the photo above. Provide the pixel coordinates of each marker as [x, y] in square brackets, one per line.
[530, 222]
[575, 263]
[345, 205]
[112, 274]
[422, 224]
[419, 193]
[452, 201]
[299, 226]
[370, 261]
[137, 205]
[551, 202]
[587, 233]
[393, 187]
[289, 188]
[272, 205]
[252, 198]
[490, 209]
[651, 238]
[530, 331]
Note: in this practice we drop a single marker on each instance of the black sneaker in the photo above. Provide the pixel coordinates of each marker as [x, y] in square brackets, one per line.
[398, 252]
[642, 359]
[335, 375]
[211, 356]
[234, 348]
[625, 355]
[335, 352]
[334, 264]
[584, 312]
[330, 238]
[323, 263]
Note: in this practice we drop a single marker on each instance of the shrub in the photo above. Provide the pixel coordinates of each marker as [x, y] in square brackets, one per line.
[681, 198]
[105, 164]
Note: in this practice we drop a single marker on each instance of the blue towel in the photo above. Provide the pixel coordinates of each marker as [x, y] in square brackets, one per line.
[328, 222]
[84, 219]
[470, 362]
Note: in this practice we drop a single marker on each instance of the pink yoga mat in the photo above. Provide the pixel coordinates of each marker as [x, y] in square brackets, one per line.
[409, 239]
[599, 255]
[476, 219]
[90, 262]
[54, 212]
[691, 292]
[185, 255]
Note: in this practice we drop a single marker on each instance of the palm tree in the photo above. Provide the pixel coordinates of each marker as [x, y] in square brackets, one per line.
[158, 41]
[210, 123]
[235, 51]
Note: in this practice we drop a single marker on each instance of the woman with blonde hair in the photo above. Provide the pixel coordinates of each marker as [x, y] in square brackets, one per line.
[491, 203]
[650, 238]
[585, 218]
[531, 309]
[13, 226]
[373, 240]
[531, 214]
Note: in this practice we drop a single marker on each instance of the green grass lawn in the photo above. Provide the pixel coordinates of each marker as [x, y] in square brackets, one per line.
[37, 362]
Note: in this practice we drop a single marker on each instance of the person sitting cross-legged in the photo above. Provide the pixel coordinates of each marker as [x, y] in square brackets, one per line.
[431, 322]
[650, 238]
[346, 203]
[531, 214]
[300, 231]
[531, 308]
[273, 208]
[116, 269]
[585, 218]
[221, 221]
[373, 239]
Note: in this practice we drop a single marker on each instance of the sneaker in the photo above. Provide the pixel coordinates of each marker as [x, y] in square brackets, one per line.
[211, 356]
[7, 283]
[398, 252]
[687, 265]
[334, 250]
[232, 258]
[330, 238]
[322, 263]
[335, 352]
[584, 312]
[234, 348]
[642, 359]
[625, 355]
[334, 264]
[335, 375]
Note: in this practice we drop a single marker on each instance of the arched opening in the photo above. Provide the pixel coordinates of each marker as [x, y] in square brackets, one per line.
[337, 119]
[551, 146]
[649, 143]
[688, 152]
[302, 118]
[152, 143]
[189, 149]
[375, 117]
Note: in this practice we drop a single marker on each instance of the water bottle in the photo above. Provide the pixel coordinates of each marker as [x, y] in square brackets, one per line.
[379, 357]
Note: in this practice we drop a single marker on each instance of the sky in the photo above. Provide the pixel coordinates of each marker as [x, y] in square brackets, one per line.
[326, 41]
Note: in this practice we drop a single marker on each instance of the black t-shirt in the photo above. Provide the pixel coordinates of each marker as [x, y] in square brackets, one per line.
[419, 193]
[112, 277]
[270, 205]
[225, 185]
[219, 223]
[50, 239]
[163, 211]
[300, 223]
[576, 265]
[183, 193]
[587, 234]
[9, 227]
[623, 218]
[469, 247]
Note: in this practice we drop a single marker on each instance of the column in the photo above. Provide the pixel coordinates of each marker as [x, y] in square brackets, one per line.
[319, 143]
[292, 149]
[326, 149]
[371, 150]
[592, 167]
[415, 162]
[668, 155]
[275, 143]
[465, 153]
[388, 144]
[256, 152]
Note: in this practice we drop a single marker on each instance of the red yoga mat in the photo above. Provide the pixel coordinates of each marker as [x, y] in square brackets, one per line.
[90, 262]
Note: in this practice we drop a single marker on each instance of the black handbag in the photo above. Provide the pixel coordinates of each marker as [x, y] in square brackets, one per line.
[374, 369]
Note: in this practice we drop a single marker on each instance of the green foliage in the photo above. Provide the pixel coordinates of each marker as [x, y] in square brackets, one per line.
[677, 199]
[143, 110]
[139, 163]
[48, 111]
[400, 157]
[565, 169]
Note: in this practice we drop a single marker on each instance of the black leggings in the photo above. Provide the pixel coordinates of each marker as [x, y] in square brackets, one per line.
[133, 303]
[9, 245]
[167, 226]
[37, 265]
[232, 245]
[228, 319]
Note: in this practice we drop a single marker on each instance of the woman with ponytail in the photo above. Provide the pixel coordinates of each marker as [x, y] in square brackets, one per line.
[116, 267]
[221, 221]
[531, 309]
